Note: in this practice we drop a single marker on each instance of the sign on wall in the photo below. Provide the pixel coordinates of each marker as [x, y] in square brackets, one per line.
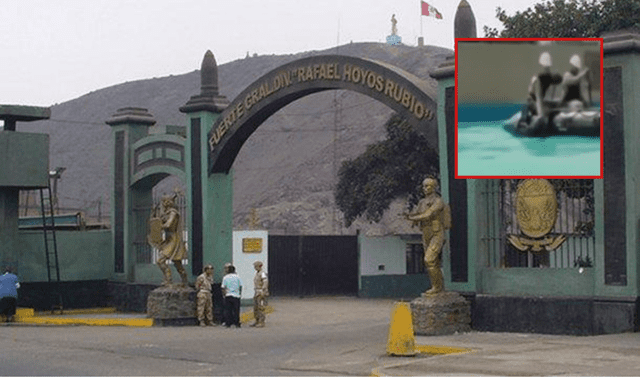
[252, 245]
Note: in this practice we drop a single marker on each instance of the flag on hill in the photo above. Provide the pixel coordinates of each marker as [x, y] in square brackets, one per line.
[429, 11]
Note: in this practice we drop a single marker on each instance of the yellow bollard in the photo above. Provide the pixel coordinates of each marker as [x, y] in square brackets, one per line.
[401, 340]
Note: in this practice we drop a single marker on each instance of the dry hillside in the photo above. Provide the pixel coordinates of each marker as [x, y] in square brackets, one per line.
[285, 171]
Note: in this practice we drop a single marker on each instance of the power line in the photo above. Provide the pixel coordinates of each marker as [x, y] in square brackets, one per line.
[280, 113]
[75, 121]
[280, 167]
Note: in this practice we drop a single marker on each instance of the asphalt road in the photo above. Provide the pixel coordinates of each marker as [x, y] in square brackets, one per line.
[311, 336]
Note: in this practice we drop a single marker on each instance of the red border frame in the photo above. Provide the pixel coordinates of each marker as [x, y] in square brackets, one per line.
[529, 40]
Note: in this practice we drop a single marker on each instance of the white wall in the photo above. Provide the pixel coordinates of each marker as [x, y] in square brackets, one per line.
[244, 261]
[387, 251]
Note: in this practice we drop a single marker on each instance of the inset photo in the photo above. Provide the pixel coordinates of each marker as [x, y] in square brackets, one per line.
[528, 108]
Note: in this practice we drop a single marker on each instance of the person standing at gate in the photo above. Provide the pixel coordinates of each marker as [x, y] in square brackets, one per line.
[232, 291]
[261, 286]
[8, 294]
[204, 303]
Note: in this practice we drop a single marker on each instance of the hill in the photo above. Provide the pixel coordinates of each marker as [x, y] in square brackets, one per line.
[285, 171]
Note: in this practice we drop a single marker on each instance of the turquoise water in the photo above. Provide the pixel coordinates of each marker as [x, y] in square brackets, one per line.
[485, 148]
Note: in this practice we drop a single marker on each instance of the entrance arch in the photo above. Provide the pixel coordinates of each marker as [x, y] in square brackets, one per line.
[398, 89]
[217, 130]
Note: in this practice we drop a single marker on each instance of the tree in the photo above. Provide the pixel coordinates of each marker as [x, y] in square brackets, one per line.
[568, 19]
[387, 170]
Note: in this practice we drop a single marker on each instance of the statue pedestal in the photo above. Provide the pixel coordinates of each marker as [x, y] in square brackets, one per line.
[441, 314]
[172, 305]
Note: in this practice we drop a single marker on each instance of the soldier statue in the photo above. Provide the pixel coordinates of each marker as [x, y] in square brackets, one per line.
[171, 247]
[433, 217]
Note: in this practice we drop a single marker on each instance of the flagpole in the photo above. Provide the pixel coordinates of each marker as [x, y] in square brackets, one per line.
[421, 32]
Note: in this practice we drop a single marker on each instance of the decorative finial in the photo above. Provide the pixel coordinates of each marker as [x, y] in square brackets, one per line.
[465, 21]
[209, 75]
[209, 98]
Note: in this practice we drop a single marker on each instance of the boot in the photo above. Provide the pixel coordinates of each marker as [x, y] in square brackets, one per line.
[437, 281]
[167, 274]
[182, 272]
[183, 276]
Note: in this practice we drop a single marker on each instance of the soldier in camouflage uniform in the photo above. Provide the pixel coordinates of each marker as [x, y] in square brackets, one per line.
[261, 286]
[204, 284]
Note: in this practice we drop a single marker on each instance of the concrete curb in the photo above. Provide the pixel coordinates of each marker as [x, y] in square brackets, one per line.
[87, 317]
[97, 317]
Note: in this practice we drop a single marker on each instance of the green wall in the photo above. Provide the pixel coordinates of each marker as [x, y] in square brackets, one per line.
[25, 159]
[397, 286]
[539, 281]
[82, 255]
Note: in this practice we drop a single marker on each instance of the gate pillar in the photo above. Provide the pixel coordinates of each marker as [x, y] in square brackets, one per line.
[458, 192]
[210, 197]
[458, 275]
[128, 125]
[619, 205]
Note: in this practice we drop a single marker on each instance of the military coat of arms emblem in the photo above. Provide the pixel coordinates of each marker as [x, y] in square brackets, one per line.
[536, 211]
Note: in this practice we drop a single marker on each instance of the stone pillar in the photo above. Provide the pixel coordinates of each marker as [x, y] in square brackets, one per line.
[619, 207]
[210, 197]
[448, 312]
[128, 125]
[454, 191]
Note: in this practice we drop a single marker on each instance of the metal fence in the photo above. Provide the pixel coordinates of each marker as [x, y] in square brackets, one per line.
[575, 221]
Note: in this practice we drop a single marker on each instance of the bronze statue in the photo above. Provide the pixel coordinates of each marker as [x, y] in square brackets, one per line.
[171, 246]
[433, 217]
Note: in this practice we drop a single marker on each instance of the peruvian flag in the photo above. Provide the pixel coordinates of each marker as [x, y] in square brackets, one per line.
[429, 11]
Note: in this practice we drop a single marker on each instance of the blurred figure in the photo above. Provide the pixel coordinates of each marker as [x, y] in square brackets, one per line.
[575, 84]
[540, 84]
[8, 294]
[534, 117]
[576, 100]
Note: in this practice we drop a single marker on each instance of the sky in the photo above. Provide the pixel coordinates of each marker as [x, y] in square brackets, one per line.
[53, 51]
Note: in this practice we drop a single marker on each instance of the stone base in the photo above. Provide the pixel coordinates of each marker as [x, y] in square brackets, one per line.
[172, 305]
[444, 313]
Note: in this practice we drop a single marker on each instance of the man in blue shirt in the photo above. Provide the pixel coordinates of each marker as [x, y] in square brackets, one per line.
[8, 294]
[232, 290]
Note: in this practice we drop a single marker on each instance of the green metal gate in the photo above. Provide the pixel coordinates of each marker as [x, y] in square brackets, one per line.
[575, 221]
